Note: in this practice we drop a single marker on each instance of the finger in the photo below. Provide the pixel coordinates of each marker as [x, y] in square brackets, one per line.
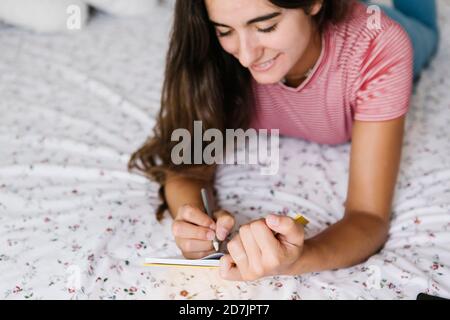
[196, 216]
[251, 248]
[237, 252]
[192, 245]
[264, 236]
[228, 269]
[289, 230]
[182, 229]
[225, 223]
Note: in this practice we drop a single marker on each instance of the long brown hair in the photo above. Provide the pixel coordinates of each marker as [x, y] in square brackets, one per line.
[204, 83]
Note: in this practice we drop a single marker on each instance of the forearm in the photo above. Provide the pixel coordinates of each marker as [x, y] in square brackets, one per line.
[181, 191]
[349, 242]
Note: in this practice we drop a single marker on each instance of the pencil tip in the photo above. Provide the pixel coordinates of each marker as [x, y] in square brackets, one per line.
[216, 245]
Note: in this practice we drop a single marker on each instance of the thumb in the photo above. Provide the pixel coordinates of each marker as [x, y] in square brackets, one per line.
[289, 230]
[225, 223]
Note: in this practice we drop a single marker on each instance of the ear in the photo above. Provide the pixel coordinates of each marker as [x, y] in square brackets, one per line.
[316, 7]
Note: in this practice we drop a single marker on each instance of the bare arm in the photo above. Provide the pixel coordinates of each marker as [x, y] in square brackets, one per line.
[374, 165]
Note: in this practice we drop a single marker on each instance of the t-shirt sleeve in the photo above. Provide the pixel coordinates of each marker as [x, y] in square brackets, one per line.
[384, 85]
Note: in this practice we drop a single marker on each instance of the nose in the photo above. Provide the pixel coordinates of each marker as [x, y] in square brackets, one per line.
[249, 50]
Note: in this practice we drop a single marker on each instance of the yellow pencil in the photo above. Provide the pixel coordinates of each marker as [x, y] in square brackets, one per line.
[301, 219]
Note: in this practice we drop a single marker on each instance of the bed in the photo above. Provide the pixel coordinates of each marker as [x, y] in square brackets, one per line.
[74, 224]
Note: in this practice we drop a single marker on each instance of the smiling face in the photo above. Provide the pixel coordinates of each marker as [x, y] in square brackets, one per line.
[272, 42]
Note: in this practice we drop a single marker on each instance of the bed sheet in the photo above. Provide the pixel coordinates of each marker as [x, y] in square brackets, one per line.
[74, 224]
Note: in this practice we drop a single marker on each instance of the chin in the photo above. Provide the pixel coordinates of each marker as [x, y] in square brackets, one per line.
[271, 76]
[267, 78]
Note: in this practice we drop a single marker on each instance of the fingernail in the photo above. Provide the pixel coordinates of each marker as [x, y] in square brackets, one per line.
[221, 234]
[273, 220]
[210, 235]
[213, 226]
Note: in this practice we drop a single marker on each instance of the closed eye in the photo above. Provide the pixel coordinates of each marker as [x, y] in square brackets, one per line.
[266, 30]
[223, 34]
[270, 29]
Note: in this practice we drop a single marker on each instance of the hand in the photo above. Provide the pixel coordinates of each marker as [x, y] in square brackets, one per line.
[194, 230]
[257, 252]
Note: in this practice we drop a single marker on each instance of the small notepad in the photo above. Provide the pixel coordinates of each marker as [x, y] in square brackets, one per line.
[210, 261]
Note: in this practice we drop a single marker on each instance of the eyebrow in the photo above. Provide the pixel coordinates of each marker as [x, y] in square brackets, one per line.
[255, 20]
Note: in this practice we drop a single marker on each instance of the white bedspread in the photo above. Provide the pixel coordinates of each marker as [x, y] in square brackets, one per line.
[74, 224]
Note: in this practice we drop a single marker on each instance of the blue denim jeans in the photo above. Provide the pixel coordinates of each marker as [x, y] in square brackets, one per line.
[419, 19]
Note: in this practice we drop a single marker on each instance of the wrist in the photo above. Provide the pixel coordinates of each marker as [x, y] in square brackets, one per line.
[307, 262]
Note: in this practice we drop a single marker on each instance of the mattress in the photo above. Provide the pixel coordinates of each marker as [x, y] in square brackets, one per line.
[75, 224]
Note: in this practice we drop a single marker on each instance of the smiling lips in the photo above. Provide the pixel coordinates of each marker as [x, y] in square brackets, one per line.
[262, 67]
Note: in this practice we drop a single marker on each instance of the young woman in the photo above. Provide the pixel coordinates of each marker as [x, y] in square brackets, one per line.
[329, 71]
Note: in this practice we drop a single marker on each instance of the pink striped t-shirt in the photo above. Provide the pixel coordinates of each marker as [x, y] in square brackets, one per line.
[363, 74]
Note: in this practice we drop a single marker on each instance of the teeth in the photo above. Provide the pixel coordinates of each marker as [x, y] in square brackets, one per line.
[265, 64]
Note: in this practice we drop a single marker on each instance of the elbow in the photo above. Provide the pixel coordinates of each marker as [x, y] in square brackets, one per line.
[373, 227]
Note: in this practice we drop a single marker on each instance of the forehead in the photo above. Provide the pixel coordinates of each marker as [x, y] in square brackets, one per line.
[231, 12]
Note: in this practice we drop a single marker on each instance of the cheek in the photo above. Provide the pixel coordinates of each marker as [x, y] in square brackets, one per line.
[295, 35]
[293, 44]
[300, 45]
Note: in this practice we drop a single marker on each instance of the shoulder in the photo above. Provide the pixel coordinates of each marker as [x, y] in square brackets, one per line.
[364, 28]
